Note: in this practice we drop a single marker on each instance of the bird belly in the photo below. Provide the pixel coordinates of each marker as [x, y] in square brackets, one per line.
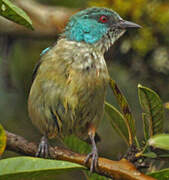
[85, 96]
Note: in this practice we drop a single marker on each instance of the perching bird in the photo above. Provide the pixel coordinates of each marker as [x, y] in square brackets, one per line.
[70, 80]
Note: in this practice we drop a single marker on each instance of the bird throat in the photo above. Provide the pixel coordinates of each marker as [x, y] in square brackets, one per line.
[109, 39]
[84, 59]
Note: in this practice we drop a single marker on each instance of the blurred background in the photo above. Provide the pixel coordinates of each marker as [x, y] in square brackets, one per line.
[140, 56]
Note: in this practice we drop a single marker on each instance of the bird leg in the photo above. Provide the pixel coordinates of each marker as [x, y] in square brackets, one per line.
[43, 148]
[94, 154]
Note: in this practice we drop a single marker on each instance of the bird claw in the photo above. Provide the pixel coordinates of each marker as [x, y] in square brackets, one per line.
[43, 148]
[94, 160]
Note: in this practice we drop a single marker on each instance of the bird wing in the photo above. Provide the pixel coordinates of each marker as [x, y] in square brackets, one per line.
[47, 102]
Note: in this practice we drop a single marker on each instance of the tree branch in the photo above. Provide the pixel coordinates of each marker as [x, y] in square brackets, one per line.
[119, 170]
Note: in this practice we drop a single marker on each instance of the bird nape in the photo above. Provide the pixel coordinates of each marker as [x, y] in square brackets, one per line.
[70, 80]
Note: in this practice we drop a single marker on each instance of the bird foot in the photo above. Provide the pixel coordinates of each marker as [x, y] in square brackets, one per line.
[43, 148]
[94, 159]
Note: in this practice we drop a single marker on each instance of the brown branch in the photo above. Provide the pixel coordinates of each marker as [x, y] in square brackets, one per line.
[120, 170]
[47, 21]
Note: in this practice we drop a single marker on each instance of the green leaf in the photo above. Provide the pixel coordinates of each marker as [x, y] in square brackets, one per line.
[30, 168]
[2, 140]
[95, 176]
[150, 155]
[160, 175]
[77, 145]
[160, 141]
[129, 120]
[14, 13]
[117, 121]
[145, 126]
[153, 108]
[163, 156]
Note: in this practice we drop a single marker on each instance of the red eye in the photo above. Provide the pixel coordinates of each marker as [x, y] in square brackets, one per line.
[103, 19]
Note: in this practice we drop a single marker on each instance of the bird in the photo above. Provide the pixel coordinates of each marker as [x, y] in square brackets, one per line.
[70, 80]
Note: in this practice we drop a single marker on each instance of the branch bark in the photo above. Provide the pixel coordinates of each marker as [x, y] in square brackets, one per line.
[118, 170]
[47, 21]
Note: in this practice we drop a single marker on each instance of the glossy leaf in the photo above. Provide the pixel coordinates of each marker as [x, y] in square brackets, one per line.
[117, 121]
[161, 175]
[153, 108]
[2, 140]
[160, 141]
[33, 168]
[14, 13]
[129, 120]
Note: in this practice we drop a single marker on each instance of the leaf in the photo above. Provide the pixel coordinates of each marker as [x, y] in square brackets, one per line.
[15, 14]
[2, 140]
[160, 175]
[166, 105]
[145, 126]
[30, 168]
[129, 120]
[95, 176]
[163, 156]
[150, 155]
[77, 145]
[117, 121]
[153, 108]
[160, 141]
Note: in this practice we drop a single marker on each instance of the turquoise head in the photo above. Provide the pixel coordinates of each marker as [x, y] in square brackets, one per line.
[94, 24]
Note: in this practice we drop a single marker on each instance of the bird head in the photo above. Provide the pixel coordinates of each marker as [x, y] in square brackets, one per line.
[97, 26]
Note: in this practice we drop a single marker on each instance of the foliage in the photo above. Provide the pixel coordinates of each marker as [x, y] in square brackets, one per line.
[153, 120]
[118, 121]
[2, 140]
[77, 145]
[153, 117]
[160, 141]
[127, 115]
[31, 168]
[15, 14]
[154, 111]
[160, 175]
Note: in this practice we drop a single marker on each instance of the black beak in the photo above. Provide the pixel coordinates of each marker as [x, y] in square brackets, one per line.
[127, 24]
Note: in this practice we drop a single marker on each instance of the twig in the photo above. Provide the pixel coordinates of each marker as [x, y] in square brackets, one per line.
[119, 170]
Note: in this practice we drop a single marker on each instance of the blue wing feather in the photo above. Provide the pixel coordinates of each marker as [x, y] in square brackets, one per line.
[45, 50]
